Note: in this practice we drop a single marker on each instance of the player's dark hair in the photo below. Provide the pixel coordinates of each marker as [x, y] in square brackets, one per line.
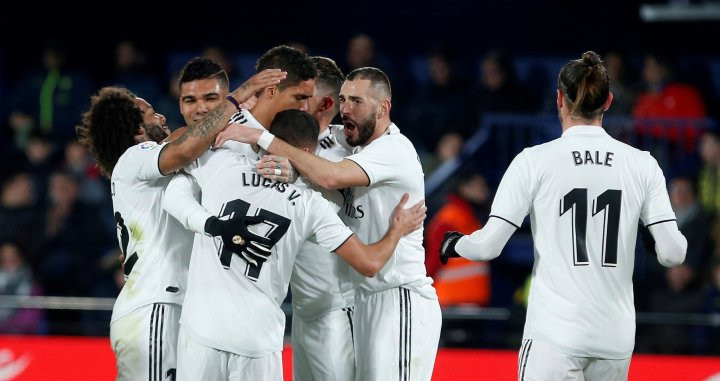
[329, 79]
[297, 64]
[585, 83]
[203, 68]
[378, 79]
[297, 128]
[108, 128]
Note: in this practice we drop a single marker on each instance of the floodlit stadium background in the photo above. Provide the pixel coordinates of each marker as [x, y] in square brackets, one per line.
[70, 256]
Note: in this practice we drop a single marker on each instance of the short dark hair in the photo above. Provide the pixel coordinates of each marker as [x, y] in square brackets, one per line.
[297, 64]
[329, 77]
[296, 127]
[378, 79]
[586, 84]
[203, 68]
[108, 128]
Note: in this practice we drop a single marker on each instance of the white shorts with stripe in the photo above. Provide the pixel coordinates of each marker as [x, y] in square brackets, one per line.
[538, 361]
[396, 335]
[199, 362]
[322, 348]
[145, 341]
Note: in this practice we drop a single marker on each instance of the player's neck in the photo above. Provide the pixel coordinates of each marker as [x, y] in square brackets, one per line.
[380, 129]
[262, 114]
[568, 122]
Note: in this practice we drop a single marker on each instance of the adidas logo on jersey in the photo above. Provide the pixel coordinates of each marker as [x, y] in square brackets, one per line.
[238, 117]
[327, 142]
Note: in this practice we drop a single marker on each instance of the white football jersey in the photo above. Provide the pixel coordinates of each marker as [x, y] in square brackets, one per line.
[155, 245]
[393, 167]
[321, 281]
[230, 304]
[246, 118]
[585, 193]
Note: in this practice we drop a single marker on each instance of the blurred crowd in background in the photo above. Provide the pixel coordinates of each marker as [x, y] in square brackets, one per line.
[58, 237]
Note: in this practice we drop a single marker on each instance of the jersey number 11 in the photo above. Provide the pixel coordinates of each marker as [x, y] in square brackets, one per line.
[609, 202]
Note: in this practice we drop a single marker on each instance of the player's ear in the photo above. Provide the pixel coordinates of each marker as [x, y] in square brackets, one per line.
[559, 99]
[269, 91]
[383, 108]
[609, 100]
[327, 104]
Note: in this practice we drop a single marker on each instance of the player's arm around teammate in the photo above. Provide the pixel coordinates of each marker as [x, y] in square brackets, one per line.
[369, 259]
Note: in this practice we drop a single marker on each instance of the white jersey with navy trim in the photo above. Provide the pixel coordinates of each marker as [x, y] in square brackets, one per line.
[393, 167]
[155, 245]
[321, 281]
[246, 118]
[230, 304]
[585, 193]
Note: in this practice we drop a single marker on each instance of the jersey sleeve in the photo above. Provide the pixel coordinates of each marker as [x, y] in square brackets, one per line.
[181, 201]
[326, 227]
[146, 160]
[656, 206]
[514, 194]
[378, 161]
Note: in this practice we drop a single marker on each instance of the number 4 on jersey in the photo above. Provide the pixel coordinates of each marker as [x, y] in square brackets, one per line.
[609, 202]
[278, 227]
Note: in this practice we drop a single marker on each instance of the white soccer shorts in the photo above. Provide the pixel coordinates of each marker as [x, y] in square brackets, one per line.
[538, 361]
[145, 341]
[396, 335]
[323, 348]
[198, 362]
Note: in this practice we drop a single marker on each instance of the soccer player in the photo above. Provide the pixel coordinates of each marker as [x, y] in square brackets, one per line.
[585, 193]
[232, 324]
[292, 93]
[397, 315]
[123, 132]
[203, 85]
[323, 296]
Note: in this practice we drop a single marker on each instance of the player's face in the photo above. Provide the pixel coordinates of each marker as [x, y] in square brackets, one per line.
[295, 97]
[358, 110]
[153, 123]
[198, 98]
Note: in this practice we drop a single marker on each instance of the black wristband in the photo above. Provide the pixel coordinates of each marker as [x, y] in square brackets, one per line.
[233, 101]
[211, 226]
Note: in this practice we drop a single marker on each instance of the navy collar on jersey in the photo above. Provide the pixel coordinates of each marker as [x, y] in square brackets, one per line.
[584, 130]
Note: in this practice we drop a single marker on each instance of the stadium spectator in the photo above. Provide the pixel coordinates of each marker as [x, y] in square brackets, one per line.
[709, 178]
[662, 97]
[132, 72]
[18, 209]
[16, 279]
[448, 147]
[623, 93]
[49, 99]
[443, 106]
[461, 281]
[499, 89]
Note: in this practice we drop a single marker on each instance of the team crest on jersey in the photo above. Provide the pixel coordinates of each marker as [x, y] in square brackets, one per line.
[148, 145]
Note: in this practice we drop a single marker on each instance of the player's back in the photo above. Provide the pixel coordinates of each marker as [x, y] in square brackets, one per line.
[232, 304]
[156, 246]
[588, 192]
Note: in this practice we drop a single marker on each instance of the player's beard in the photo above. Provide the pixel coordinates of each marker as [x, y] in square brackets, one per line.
[365, 129]
[155, 133]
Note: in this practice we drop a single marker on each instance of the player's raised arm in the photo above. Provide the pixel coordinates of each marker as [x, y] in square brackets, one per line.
[325, 173]
[199, 136]
[369, 259]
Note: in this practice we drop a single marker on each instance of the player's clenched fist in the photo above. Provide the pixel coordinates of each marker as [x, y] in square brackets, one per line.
[447, 248]
[237, 238]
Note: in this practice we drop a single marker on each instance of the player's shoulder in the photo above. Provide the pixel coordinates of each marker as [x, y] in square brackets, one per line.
[135, 156]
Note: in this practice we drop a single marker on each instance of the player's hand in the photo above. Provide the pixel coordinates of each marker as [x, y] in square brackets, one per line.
[257, 82]
[237, 238]
[249, 104]
[447, 247]
[277, 168]
[408, 220]
[239, 133]
[648, 240]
